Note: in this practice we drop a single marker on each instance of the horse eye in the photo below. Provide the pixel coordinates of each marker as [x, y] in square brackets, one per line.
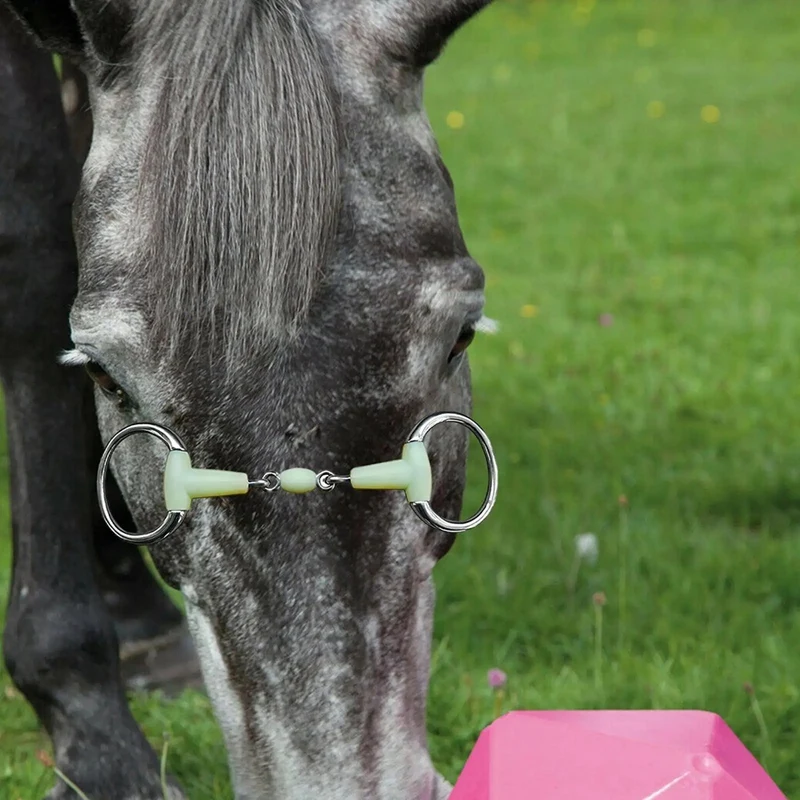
[107, 384]
[462, 343]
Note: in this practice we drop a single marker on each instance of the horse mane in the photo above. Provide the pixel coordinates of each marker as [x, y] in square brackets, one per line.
[240, 175]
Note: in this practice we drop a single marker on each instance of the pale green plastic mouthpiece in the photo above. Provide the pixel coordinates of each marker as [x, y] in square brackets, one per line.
[411, 473]
[183, 483]
[298, 480]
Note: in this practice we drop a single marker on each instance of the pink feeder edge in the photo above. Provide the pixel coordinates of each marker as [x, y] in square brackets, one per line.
[612, 755]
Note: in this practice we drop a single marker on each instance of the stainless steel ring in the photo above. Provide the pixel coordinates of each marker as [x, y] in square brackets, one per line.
[173, 518]
[423, 509]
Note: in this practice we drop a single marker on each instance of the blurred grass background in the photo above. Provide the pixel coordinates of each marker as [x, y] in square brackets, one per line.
[627, 173]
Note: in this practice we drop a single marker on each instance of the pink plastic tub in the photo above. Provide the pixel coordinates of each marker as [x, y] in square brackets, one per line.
[612, 755]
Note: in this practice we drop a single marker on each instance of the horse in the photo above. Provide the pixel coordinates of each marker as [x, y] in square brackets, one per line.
[261, 250]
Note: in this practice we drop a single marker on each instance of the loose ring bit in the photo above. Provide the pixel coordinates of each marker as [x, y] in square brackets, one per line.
[410, 473]
[422, 508]
[173, 519]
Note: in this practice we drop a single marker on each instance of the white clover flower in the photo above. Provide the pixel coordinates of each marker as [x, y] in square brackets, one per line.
[586, 547]
[487, 325]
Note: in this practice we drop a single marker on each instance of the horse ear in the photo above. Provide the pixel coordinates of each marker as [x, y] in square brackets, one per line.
[445, 17]
[81, 29]
[428, 24]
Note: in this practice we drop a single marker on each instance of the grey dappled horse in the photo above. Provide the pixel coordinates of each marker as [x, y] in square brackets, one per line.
[269, 261]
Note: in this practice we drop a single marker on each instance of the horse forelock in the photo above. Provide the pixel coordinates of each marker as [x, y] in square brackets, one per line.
[238, 191]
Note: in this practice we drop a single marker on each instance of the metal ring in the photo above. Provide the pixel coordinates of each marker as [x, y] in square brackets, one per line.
[272, 481]
[423, 509]
[324, 481]
[173, 518]
[327, 480]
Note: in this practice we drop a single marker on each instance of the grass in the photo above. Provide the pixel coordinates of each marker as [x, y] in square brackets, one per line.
[595, 177]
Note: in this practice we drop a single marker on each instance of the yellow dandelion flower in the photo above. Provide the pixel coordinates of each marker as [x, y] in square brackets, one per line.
[533, 50]
[529, 311]
[646, 37]
[502, 72]
[709, 114]
[455, 120]
[581, 16]
[656, 109]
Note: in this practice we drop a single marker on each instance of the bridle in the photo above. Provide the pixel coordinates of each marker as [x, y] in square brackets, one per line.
[410, 473]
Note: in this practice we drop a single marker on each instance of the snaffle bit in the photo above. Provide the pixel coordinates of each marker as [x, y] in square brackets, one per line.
[184, 483]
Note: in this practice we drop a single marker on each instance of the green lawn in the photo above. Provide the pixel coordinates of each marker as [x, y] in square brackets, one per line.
[635, 159]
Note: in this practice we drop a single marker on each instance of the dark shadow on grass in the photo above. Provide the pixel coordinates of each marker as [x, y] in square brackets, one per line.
[761, 508]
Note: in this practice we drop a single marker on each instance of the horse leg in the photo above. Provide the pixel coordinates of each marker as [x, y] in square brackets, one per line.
[156, 648]
[59, 643]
